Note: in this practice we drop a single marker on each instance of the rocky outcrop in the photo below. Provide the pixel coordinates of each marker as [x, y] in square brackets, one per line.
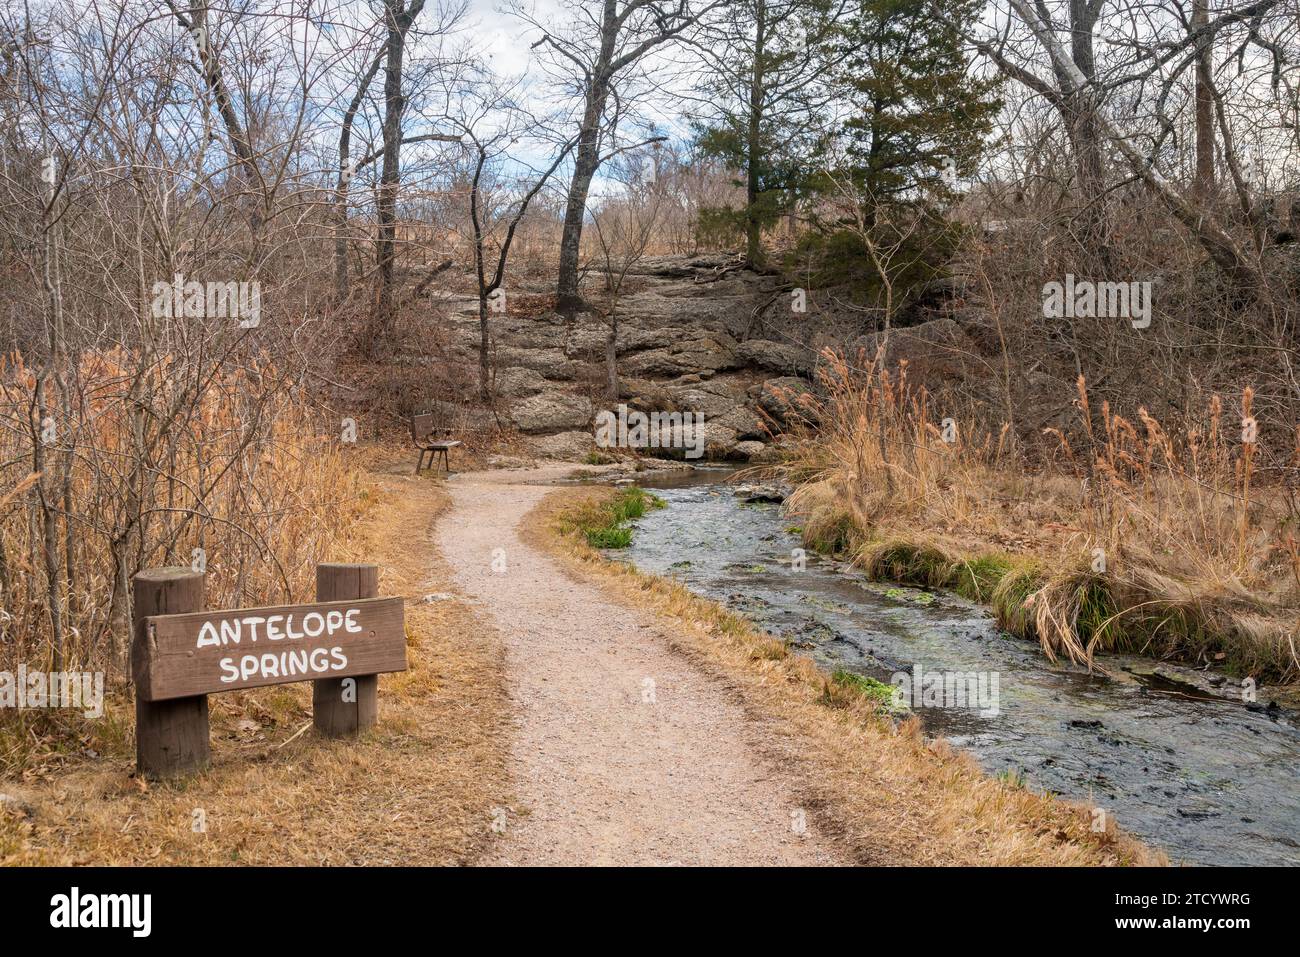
[690, 340]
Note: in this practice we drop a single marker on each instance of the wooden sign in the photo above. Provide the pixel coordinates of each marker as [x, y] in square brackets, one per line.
[186, 655]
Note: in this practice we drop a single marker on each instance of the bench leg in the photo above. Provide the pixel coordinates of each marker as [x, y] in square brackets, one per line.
[446, 463]
[419, 463]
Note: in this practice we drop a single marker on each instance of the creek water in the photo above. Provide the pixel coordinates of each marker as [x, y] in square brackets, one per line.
[1208, 779]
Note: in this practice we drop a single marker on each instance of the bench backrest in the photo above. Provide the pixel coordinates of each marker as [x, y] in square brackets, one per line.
[421, 426]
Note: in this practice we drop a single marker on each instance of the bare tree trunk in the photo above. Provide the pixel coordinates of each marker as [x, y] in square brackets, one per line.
[753, 232]
[345, 180]
[399, 17]
[1085, 136]
[598, 78]
[210, 67]
[484, 348]
[611, 356]
[585, 164]
[1204, 184]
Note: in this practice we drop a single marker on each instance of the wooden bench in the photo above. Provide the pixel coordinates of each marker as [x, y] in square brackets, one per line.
[422, 433]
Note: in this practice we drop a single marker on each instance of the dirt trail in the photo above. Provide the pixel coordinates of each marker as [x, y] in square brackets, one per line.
[625, 753]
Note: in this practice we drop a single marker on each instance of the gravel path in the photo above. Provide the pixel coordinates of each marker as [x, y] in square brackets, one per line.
[624, 753]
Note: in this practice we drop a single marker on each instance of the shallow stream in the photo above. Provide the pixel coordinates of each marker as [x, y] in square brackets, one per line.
[1207, 778]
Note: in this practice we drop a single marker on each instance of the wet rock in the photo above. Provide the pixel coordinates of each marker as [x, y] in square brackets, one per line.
[662, 465]
[760, 493]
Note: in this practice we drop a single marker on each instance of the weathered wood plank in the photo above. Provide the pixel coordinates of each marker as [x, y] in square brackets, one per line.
[205, 652]
[340, 711]
[171, 737]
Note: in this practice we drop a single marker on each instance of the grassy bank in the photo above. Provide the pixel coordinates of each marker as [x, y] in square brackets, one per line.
[606, 523]
[1167, 543]
[873, 784]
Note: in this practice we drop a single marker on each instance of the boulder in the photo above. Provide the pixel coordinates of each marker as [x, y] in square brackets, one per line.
[552, 411]
[517, 381]
[708, 402]
[684, 440]
[749, 450]
[786, 399]
[745, 422]
[777, 356]
[702, 354]
[760, 493]
[719, 441]
[644, 395]
[565, 446]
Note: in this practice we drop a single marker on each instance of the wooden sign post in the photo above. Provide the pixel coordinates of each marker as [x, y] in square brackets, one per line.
[171, 736]
[345, 706]
[180, 654]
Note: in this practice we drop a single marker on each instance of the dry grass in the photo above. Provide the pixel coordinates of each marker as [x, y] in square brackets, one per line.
[1158, 541]
[241, 473]
[418, 789]
[885, 792]
[145, 467]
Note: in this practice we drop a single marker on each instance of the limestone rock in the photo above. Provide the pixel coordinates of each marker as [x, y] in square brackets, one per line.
[566, 446]
[552, 411]
[518, 381]
[777, 356]
[784, 399]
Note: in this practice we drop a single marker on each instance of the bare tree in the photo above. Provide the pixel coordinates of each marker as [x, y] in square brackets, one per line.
[607, 41]
[492, 123]
[625, 227]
